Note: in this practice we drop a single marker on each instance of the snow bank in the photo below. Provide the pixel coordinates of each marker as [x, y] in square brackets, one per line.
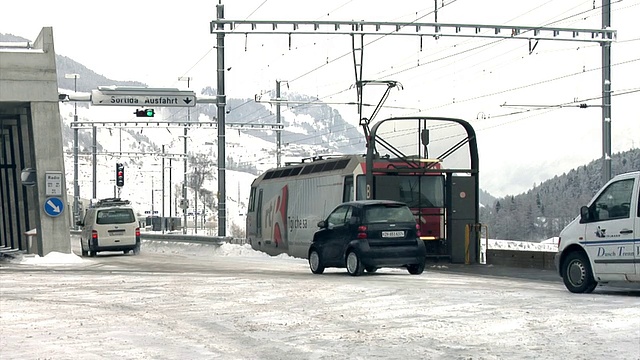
[52, 258]
[234, 250]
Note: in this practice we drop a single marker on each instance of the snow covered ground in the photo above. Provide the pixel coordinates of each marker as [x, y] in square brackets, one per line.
[186, 301]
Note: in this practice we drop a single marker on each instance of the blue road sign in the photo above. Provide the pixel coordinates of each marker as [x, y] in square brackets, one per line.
[53, 206]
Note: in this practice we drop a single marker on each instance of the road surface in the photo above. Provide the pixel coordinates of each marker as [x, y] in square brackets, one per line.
[177, 301]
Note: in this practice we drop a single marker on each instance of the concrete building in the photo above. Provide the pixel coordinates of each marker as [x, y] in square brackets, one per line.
[32, 175]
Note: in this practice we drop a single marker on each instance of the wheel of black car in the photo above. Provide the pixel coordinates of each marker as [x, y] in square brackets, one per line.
[84, 252]
[353, 264]
[315, 263]
[371, 269]
[577, 274]
[416, 269]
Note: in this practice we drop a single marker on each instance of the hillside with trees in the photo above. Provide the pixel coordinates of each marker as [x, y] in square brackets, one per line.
[543, 211]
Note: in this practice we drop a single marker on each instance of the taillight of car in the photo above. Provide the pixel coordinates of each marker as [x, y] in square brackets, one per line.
[94, 234]
[362, 232]
[418, 234]
[138, 232]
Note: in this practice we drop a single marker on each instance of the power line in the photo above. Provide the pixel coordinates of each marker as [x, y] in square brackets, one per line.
[378, 39]
[444, 58]
[530, 85]
[369, 43]
[626, 92]
[210, 50]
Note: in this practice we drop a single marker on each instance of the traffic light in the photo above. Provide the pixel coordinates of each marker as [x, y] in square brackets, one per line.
[145, 113]
[119, 174]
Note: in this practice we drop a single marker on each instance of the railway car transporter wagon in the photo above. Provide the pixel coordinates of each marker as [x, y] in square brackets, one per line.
[286, 203]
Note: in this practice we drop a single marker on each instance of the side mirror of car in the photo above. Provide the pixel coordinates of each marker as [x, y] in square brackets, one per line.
[584, 214]
[322, 224]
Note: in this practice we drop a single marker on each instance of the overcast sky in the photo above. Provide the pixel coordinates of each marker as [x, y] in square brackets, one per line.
[471, 78]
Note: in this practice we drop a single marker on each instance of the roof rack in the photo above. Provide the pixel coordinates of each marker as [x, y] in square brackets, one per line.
[111, 202]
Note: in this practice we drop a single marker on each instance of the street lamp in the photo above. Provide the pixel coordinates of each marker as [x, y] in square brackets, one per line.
[76, 187]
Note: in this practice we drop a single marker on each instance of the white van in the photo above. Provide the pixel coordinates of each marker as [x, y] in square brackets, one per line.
[603, 243]
[110, 225]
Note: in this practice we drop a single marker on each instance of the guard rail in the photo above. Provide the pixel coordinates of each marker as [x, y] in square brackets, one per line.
[184, 238]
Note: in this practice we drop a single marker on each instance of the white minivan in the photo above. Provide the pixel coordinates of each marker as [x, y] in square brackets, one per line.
[603, 243]
[110, 225]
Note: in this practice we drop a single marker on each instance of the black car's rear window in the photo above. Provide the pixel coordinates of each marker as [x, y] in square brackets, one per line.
[115, 216]
[387, 213]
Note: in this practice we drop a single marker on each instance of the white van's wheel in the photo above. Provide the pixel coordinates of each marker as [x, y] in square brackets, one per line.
[84, 252]
[354, 265]
[577, 274]
[315, 264]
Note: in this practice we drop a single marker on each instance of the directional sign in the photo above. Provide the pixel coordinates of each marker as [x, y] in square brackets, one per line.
[53, 206]
[144, 98]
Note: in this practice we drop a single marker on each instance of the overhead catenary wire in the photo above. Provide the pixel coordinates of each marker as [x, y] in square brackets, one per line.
[330, 130]
[477, 97]
[267, 116]
[448, 57]
[555, 107]
[447, 4]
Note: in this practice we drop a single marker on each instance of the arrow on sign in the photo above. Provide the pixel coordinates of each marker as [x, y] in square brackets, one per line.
[186, 100]
[55, 208]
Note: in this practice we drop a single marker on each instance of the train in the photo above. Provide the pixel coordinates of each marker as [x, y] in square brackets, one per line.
[286, 203]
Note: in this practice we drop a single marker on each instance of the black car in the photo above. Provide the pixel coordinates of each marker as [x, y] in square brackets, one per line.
[366, 235]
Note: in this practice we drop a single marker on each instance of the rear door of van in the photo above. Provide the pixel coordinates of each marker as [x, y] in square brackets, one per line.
[609, 235]
[116, 226]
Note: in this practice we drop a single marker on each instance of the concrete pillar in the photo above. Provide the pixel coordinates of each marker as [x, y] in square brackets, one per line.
[53, 232]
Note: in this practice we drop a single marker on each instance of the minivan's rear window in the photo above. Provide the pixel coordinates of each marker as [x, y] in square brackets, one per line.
[387, 213]
[115, 216]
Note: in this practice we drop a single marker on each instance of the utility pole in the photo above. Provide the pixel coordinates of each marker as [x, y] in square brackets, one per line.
[195, 198]
[184, 179]
[221, 102]
[152, 202]
[202, 218]
[170, 186]
[76, 186]
[606, 95]
[278, 121]
[162, 224]
[278, 102]
[95, 160]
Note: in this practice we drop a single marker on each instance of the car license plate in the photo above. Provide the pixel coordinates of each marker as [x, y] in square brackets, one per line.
[392, 234]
